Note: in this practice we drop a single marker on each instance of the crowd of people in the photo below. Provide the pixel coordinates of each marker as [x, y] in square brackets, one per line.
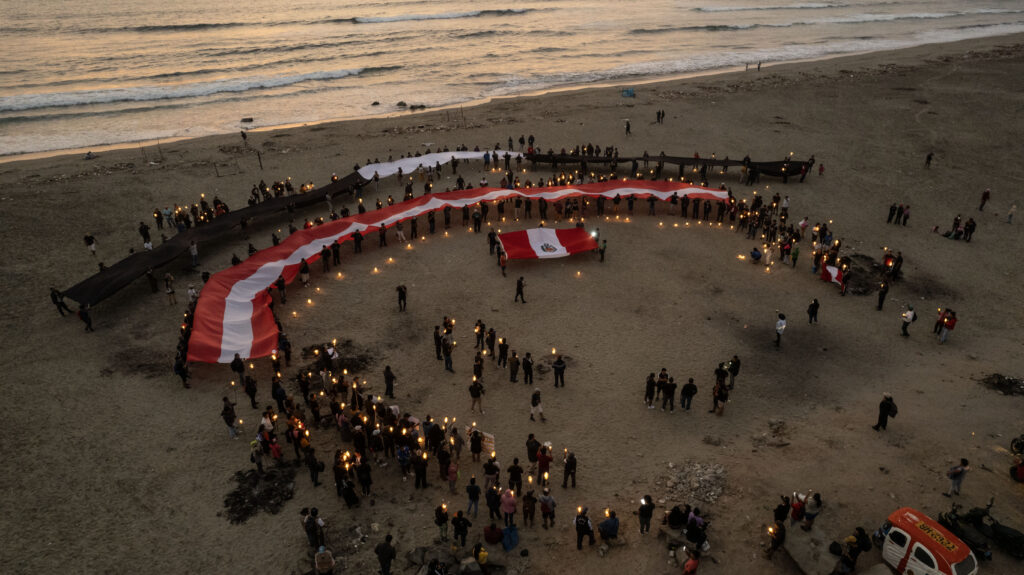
[373, 434]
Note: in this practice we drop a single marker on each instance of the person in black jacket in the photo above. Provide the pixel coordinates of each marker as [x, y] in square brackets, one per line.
[886, 409]
[645, 513]
[569, 471]
[460, 528]
[649, 388]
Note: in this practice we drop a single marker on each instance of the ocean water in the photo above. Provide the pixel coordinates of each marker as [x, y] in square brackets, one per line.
[94, 72]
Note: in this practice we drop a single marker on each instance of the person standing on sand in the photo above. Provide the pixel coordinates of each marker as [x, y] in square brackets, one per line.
[649, 389]
[906, 214]
[169, 288]
[777, 534]
[985, 196]
[389, 382]
[1009, 214]
[558, 367]
[402, 292]
[58, 300]
[886, 409]
[628, 130]
[476, 393]
[668, 395]
[780, 327]
[928, 160]
[720, 396]
[883, 290]
[83, 314]
[535, 406]
[385, 554]
[528, 369]
[812, 311]
[908, 317]
[686, 395]
[645, 513]
[947, 326]
[520, 284]
[90, 242]
[733, 367]
[584, 528]
[956, 476]
[227, 413]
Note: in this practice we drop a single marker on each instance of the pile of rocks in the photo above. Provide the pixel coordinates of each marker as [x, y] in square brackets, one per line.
[694, 481]
[420, 557]
[1003, 384]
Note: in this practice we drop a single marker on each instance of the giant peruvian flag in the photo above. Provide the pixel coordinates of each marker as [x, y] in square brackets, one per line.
[233, 314]
[546, 243]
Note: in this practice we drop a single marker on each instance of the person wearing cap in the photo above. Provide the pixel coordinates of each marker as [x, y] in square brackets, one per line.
[547, 508]
[908, 318]
[584, 528]
[886, 409]
[324, 561]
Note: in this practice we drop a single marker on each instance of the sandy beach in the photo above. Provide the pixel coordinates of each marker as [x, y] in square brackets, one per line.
[113, 466]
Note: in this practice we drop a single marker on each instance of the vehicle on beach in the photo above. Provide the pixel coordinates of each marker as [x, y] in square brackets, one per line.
[912, 542]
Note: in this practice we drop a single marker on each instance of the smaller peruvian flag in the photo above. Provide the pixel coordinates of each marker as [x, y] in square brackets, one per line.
[832, 274]
[546, 243]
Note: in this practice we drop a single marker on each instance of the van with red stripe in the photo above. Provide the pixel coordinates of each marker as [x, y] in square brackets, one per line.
[912, 542]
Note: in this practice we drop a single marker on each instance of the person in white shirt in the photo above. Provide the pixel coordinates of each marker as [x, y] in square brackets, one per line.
[908, 317]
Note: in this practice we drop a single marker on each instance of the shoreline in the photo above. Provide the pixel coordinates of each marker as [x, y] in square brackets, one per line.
[119, 432]
[713, 74]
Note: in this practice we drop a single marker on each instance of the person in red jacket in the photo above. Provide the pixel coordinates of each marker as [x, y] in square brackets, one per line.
[543, 464]
[948, 323]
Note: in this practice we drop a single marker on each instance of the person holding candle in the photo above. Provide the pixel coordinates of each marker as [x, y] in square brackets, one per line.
[569, 470]
[508, 507]
[609, 528]
[491, 472]
[502, 353]
[547, 508]
[441, 520]
[645, 513]
[419, 468]
[543, 464]
[908, 317]
[584, 528]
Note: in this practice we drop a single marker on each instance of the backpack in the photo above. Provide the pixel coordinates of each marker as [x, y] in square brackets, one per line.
[481, 557]
[581, 522]
[893, 410]
[510, 538]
